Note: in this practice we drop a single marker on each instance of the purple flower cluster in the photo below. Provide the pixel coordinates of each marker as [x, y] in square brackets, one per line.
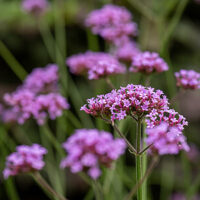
[35, 7]
[37, 98]
[126, 51]
[111, 22]
[26, 104]
[166, 139]
[25, 159]
[148, 62]
[169, 116]
[130, 100]
[96, 64]
[188, 79]
[42, 80]
[89, 148]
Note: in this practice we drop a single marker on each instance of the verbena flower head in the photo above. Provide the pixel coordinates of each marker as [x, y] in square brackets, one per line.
[166, 140]
[188, 79]
[42, 80]
[96, 64]
[148, 62]
[130, 100]
[111, 22]
[169, 116]
[126, 51]
[25, 159]
[35, 7]
[25, 105]
[88, 149]
[36, 98]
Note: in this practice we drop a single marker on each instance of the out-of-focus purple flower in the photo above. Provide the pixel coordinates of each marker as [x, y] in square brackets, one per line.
[25, 104]
[105, 68]
[148, 62]
[166, 140]
[9, 116]
[96, 64]
[169, 116]
[88, 149]
[197, 1]
[42, 80]
[35, 7]
[111, 22]
[188, 79]
[126, 51]
[36, 98]
[25, 159]
[194, 154]
[51, 104]
[130, 100]
[180, 196]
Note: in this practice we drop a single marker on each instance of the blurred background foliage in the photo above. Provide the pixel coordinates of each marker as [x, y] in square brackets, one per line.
[170, 27]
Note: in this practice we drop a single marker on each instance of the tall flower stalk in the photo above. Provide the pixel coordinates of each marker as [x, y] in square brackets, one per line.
[138, 159]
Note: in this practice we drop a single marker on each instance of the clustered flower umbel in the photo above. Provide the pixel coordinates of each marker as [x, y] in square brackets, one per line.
[95, 64]
[35, 7]
[130, 100]
[88, 149]
[25, 159]
[188, 79]
[111, 22]
[148, 62]
[140, 101]
[166, 139]
[37, 98]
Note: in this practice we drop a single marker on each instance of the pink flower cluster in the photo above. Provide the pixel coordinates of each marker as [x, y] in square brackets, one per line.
[42, 80]
[148, 62]
[25, 159]
[96, 64]
[188, 79]
[130, 100]
[111, 22]
[35, 7]
[126, 51]
[166, 139]
[37, 98]
[169, 116]
[89, 148]
[26, 104]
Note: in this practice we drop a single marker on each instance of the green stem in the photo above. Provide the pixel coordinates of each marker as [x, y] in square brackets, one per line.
[60, 44]
[138, 158]
[46, 130]
[143, 9]
[172, 25]
[39, 179]
[15, 66]
[145, 176]
[194, 188]
[108, 81]
[4, 149]
[144, 163]
[47, 39]
[186, 171]
[92, 41]
[97, 190]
